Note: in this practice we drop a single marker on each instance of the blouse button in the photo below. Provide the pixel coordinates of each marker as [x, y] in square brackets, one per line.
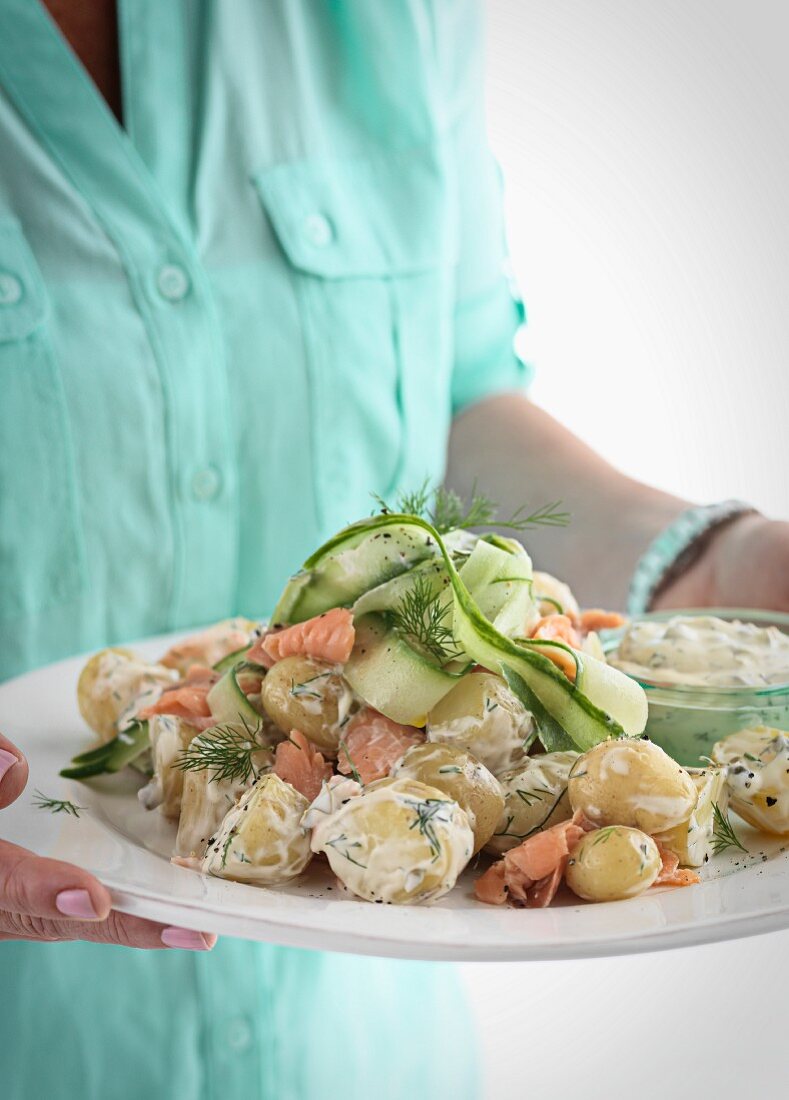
[318, 230]
[206, 484]
[173, 282]
[238, 1034]
[10, 289]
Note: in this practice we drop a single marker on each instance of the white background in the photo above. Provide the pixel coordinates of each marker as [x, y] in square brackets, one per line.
[645, 150]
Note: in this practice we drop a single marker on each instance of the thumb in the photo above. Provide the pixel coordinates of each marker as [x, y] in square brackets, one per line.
[13, 772]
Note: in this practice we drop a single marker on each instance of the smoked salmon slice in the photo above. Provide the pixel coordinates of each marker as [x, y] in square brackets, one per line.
[530, 874]
[597, 619]
[671, 874]
[188, 699]
[373, 743]
[328, 637]
[257, 655]
[209, 646]
[490, 887]
[298, 763]
[558, 628]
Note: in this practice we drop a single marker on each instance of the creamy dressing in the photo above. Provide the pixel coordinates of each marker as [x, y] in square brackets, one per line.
[168, 735]
[324, 688]
[495, 734]
[261, 840]
[204, 803]
[704, 651]
[758, 776]
[535, 797]
[396, 842]
[130, 683]
[334, 793]
[692, 841]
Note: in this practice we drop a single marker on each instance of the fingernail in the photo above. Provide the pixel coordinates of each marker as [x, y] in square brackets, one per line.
[76, 903]
[7, 761]
[184, 938]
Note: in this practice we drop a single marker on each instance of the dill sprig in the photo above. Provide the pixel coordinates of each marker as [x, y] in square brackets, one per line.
[422, 618]
[226, 846]
[446, 510]
[343, 746]
[425, 811]
[304, 690]
[533, 794]
[56, 805]
[547, 516]
[343, 839]
[450, 510]
[226, 750]
[723, 834]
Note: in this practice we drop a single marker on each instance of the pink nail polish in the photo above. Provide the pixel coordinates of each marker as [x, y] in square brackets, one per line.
[76, 903]
[7, 761]
[184, 938]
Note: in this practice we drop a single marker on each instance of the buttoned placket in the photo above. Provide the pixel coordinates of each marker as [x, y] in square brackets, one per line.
[169, 286]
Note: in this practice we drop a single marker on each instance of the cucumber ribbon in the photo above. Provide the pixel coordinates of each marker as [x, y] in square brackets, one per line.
[602, 703]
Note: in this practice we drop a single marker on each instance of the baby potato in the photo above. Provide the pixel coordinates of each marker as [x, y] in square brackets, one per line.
[692, 840]
[205, 800]
[114, 684]
[261, 840]
[484, 717]
[461, 777]
[632, 782]
[311, 696]
[613, 863]
[535, 797]
[399, 841]
[758, 776]
[756, 741]
[169, 736]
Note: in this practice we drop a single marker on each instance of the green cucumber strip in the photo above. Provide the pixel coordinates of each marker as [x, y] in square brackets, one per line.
[392, 677]
[499, 583]
[552, 737]
[228, 703]
[99, 753]
[510, 546]
[538, 599]
[602, 703]
[582, 719]
[357, 559]
[492, 576]
[232, 659]
[111, 757]
[387, 596]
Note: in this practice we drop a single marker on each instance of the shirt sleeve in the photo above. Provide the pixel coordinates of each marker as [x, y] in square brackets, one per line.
[488, 309]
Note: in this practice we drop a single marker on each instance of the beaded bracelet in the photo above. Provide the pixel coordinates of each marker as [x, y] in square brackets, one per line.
[676, 547]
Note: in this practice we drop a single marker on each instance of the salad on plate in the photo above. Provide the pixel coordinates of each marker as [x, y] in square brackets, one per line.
[421, 700]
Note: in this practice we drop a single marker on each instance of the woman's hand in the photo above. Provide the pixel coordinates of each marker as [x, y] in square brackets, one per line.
[745, 564]
[44, 899]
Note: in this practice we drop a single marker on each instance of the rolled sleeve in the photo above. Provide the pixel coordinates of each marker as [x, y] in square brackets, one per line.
[488, 308]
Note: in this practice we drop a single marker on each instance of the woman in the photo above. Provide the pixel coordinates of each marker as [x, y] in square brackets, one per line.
[251, 270]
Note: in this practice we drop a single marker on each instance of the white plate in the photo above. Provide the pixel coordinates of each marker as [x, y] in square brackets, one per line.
[128, 848]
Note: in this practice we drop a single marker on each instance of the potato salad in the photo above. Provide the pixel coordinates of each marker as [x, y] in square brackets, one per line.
[420, 699]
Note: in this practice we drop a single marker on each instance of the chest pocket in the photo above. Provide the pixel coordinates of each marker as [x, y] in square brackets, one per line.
[41, 552]
[371, 251]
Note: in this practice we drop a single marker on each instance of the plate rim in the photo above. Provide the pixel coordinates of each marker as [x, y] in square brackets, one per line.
[205, 914]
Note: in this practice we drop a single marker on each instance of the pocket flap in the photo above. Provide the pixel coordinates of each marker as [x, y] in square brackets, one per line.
[22, 297]
[368, 217]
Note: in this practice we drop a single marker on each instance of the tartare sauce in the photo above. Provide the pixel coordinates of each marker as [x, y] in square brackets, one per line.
[704, 651]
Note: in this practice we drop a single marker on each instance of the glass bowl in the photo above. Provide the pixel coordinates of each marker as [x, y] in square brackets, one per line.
[687, 720]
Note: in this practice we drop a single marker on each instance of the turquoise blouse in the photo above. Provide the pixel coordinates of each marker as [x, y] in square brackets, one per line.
[222, 327]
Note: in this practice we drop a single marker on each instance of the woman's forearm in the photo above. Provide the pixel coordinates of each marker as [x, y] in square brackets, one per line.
[520, 455]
